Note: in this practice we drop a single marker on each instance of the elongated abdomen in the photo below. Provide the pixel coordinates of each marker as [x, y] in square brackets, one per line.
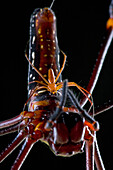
[43, 45]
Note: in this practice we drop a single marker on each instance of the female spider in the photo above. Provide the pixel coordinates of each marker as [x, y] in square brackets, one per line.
[42, 95]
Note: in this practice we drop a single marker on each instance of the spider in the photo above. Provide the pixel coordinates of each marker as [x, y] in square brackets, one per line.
[74, 157]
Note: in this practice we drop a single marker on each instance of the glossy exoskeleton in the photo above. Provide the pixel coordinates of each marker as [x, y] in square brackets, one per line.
[49, 118]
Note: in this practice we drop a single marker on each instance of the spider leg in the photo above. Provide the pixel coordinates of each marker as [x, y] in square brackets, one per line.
[11, 129]
[103, 108]
[10, 122]
[98, 66]
[20, 137]
[93, 154]
[28, 144]
[90, 154]
[98, 159]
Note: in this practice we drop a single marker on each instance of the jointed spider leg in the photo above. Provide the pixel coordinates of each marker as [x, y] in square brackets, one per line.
[98, 66]
[10, 122]
[103, 108]
[90, 154]
[93, 154]
[98, 159]
[20, 137]
[28, 144]
[11, 129]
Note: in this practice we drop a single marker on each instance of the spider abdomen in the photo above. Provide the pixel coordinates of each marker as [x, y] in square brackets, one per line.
[44, 50]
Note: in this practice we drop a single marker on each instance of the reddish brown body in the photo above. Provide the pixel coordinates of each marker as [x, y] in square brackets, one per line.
[66, 137]
[68, 132]
[64, 129]
[46, 42]
[44, 50]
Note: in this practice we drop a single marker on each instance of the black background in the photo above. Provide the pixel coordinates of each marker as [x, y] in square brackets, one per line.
[80, 28]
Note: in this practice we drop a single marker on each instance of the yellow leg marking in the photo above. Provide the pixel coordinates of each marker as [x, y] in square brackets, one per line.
[61, 67]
